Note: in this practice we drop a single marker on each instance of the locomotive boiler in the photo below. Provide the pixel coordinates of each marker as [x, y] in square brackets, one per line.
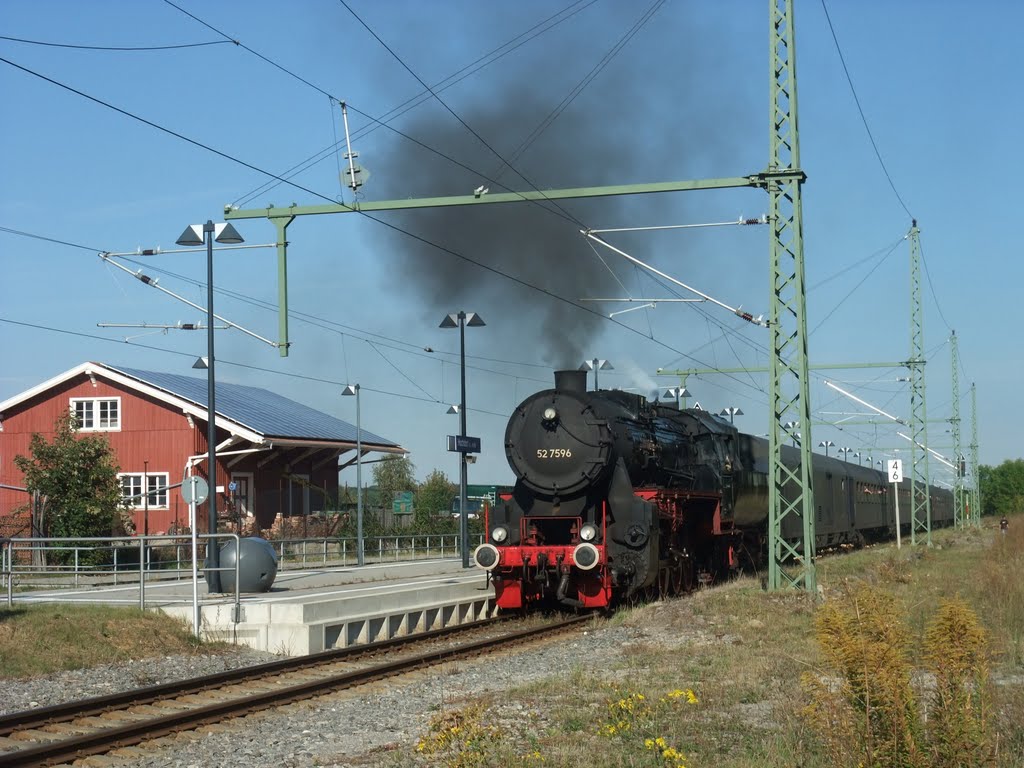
[614, 496]
[619, 497]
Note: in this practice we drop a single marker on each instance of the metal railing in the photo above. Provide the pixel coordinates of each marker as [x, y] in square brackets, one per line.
[342, 552]
[101, 561]
[95, 561]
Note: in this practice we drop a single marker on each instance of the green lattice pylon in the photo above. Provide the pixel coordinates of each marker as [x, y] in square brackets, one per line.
[790, 491]
[954, 421]
[975, 479]
[920, 480]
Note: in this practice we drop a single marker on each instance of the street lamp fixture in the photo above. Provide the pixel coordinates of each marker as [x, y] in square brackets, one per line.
[846, 451]
[826, 444]
[198, 234]
[460, 321]
[349, 391]
[677, 394]
[731, 411]
[596, 365]
[790, 427]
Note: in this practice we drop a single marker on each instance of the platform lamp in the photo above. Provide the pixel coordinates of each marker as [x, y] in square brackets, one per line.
[731, 411]
[826, 444]
[349, 390]
[846, 451]
[857, 456]
[790, 426]
[596, 365]
[460, 321]
[678, 394]
[197, 234]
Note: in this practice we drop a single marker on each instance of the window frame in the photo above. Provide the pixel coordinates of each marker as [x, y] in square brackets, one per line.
[95, 411]
[140, 502]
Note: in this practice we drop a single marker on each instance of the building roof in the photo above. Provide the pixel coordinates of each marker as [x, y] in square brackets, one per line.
[255, 414]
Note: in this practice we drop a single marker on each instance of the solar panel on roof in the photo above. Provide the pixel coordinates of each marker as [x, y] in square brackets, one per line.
[268, 413]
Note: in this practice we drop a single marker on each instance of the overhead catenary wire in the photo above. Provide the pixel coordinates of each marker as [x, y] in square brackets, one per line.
[555, 113]
[735, 310]
[376, 219]
[225, 361]
[442, 85]
[452, 112]
[321, 90]
[117, 47]
[860, 110]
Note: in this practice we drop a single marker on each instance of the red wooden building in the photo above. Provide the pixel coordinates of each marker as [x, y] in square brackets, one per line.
[274, 456]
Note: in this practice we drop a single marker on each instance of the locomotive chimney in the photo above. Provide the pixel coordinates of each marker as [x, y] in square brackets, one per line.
[571, 381]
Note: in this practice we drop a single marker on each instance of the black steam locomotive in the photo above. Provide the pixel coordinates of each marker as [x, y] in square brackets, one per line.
[617, 496]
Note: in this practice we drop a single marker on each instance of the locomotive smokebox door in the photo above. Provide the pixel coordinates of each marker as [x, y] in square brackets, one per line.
[556, 444]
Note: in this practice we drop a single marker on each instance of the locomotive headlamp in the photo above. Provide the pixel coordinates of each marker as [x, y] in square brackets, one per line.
[550, 414]
[499, 534]
[588, 532]
[585, 556]
[486, 556]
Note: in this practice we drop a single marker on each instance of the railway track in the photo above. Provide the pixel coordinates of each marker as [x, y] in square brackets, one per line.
[67, 732]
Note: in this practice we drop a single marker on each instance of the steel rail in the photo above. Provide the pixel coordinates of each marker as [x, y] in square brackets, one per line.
[78, 747]
[98, 705]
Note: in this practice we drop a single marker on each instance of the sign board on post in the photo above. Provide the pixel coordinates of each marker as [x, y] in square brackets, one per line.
[463, 444]
[402, 503]
[894, 469]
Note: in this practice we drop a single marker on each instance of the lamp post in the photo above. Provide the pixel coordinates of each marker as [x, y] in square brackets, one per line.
[145, 503]
[596, 365]
[846, 451]
[826, 444]
[790, 426]
[677, 393]
[353, 389]
[731, 411]
[460, 321]
[858, 458]
[197, 234]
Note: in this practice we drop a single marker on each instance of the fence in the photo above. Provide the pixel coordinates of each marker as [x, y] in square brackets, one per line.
[342, 552]
[140, 559]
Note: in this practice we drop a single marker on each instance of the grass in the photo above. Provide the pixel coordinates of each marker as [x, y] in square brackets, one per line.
[739, 650]
[742, 653]
[40, 639]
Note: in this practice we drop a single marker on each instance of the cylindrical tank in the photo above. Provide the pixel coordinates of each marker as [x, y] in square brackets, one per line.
[257, 565]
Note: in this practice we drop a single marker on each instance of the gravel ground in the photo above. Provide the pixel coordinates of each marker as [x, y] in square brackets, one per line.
[344, 729]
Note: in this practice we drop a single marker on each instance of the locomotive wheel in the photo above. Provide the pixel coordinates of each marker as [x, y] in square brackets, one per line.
[665, 582]
[678, 578]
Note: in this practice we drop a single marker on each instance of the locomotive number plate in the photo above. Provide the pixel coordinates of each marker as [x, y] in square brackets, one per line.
[554, 453]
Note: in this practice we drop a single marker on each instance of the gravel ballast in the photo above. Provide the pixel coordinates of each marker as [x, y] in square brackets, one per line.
[343, 729]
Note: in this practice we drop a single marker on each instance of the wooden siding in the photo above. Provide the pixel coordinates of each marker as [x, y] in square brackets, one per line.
[157, 438]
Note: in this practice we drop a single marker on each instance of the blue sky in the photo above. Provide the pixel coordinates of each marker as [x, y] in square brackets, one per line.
[684, 98]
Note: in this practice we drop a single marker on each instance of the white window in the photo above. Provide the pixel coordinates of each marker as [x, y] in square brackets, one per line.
[133, 494]
[97, 413]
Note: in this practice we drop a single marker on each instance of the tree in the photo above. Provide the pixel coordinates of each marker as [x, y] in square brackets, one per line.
[1002, 488]
[434, 498]
[74, 483]
[393, 475]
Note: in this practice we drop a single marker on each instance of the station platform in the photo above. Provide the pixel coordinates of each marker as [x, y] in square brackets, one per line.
[313, 610]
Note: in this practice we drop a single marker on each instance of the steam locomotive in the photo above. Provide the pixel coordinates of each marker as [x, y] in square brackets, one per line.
[618, 497]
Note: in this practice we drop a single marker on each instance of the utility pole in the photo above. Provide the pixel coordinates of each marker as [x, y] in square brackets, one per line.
[790, 489]
[976, 501]
[920, 479]
[958, 482]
